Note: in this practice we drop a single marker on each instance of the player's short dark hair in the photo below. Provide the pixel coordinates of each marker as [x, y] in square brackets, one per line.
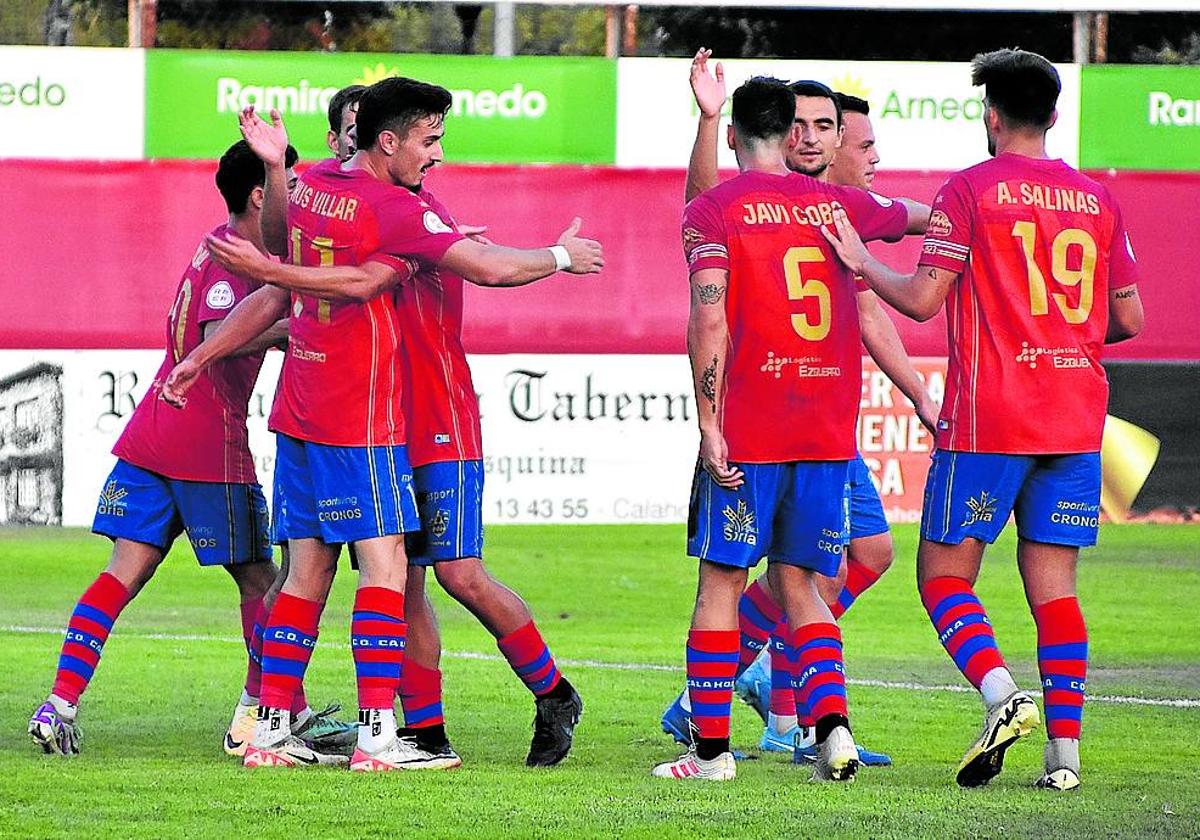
[763, 108]
[852, 104]
[809, 87]
[346, 96]
[395, 104]
[240, 171]
[1023, 86]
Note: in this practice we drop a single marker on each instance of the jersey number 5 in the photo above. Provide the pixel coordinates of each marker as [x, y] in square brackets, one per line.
[1084, 277]
[323, 245]
[800, 289]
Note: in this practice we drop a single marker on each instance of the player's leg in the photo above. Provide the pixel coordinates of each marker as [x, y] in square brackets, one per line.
[968, 499]
[871, 551]
[1057, 514]
[450, 497]
[420, 675]
[811, 530]
[136, 511]
[291, 626]
[728, 531]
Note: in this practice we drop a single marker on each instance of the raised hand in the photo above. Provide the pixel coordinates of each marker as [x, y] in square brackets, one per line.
[587, 257]
[268, 141]
[708, 89]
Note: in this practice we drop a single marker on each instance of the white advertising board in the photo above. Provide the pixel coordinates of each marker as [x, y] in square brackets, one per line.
[926, 115]
[72, 102]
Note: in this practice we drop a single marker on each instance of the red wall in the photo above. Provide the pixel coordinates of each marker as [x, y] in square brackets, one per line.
[92, 253]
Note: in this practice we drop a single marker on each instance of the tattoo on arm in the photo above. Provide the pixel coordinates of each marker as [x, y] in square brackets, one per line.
[708, 384]
[932, 275]
[1126, 293]
[710, 293]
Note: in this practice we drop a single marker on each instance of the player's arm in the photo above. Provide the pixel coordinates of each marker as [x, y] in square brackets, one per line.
[709, 90]
[884, 344]
[919, 295]
[273, 336]
[255, 315]
[1125, 315]
[356, 283]
[708, 347]
[918, 216]
[270, 143]
[498, 265]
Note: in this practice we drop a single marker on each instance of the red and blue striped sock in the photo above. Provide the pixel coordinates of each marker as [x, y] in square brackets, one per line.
[421, 695]
[712, 663]
[289, 637]
[822, 677]
[528, 656]
[87, 631]
[783, 696]
[859, 578]
[757, 616]
[252, 635]
[1062, 661]
[963, 626]
[378, 634]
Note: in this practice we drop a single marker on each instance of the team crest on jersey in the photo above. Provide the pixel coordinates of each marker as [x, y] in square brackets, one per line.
[434, 224]
[441, 521]
[739, 524]
[220, 296]
[981, 509]
[939, 224]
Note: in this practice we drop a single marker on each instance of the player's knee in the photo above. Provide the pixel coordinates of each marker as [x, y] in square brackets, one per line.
[253, 580]
[133, 564]
[465, 580]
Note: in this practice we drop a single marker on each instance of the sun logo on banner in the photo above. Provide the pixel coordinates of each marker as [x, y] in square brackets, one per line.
[371, 75]
[851, 85]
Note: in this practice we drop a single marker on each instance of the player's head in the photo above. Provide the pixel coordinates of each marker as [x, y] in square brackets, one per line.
[1020, 90]
[343, 108]
[762, 115]
[402, 121]
[818, 120]
[854, 163]
[241, 175]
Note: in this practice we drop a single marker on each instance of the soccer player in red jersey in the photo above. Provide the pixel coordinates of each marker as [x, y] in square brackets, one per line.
[1035, 268]
[773, 335]
[181, 471]
[832, 129]
[400, 127]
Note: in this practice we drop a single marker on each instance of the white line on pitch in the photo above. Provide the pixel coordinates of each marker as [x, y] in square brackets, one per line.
[1175, 703]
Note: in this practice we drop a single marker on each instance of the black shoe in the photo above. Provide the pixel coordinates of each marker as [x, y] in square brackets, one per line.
[554, 729]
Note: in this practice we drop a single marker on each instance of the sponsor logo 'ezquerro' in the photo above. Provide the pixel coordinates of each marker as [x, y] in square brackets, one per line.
[304, 97]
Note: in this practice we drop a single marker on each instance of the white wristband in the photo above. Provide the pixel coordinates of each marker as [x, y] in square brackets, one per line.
[561, 258]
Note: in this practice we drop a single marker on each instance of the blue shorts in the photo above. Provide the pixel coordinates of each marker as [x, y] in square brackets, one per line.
[1056, 498]
[866, 508]
[794, 513]
[226, 523]
[450, 501]
[341, 494]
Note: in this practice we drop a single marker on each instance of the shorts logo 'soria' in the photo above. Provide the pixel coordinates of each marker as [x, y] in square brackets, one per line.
[739, 524]
[982, 509]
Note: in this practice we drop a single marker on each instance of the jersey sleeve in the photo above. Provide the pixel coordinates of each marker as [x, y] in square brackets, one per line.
[948, 237]
[704, 242]
[874, 216]
[1122, 262]
[219, 292]
[412, 230]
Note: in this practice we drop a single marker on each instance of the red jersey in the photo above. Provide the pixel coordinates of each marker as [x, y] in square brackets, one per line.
[207, 439]
[440, 405]
[1037, 246]
[342, 381]
[793, 372]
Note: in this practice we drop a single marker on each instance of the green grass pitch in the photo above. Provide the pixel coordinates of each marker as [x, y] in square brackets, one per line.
[607, 598]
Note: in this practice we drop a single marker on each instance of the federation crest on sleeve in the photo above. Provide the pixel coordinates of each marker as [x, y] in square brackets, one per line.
[434, 224]
[220, 296]
[939, 224]
[691, 238]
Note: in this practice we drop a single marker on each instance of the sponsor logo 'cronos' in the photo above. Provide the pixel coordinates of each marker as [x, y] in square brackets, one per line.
[32, 93]
[307, 97]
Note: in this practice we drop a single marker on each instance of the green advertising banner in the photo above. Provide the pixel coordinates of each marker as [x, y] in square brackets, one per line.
[515, 110]
[1140, 118]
